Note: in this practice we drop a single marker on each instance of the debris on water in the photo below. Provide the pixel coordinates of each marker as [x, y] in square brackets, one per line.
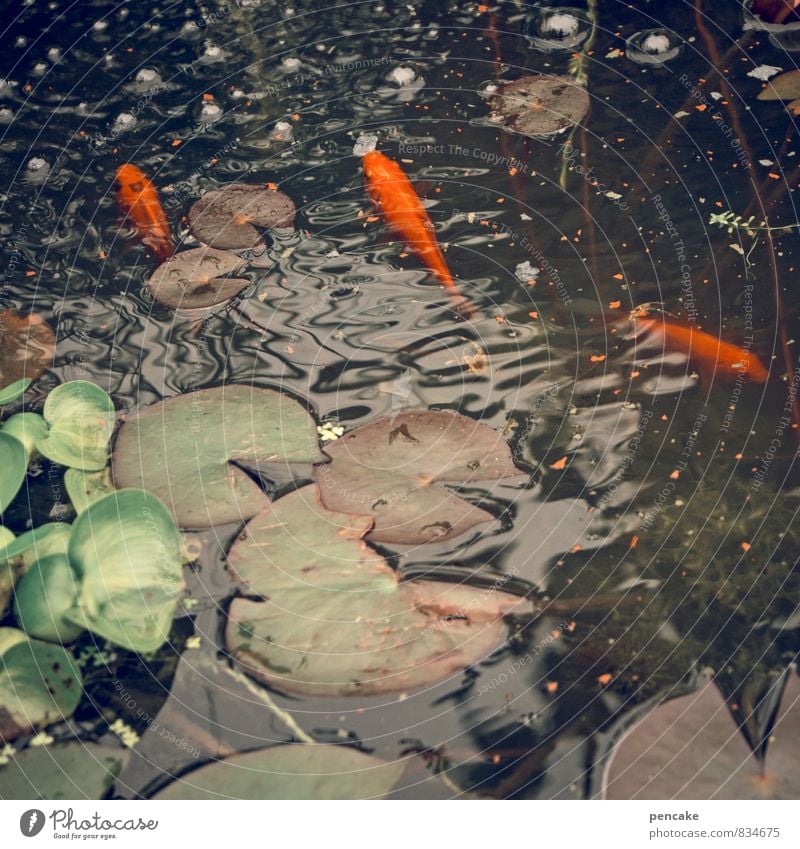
[653, 47]
[526, 273]
[282, 131]
[764, 72]
[39, 69]
[291, 63]
[54, 54]
[560, 28]
[100, 26]
[124, 121]
[402, 76]
[210, 112]
[6, 115]
[365, 143]
[540, 105]
[37, 166]
[211, 53]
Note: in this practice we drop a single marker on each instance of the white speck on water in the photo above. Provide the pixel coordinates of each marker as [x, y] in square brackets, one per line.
[37, 164]
[123, 121]
[561, 23]
[766, 162]
[291, 63]
[21, 41]
[146, 75]
[764, 72]
[99, 26]
[39, 68]
[6, 114]
[402, 76]
[717, 95]
[365, 143]
[54, 54]
[656, 42]
[210, 112]
[282, 131]
[525, 272]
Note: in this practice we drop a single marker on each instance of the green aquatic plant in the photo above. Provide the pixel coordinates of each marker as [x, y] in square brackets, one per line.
[731, 222]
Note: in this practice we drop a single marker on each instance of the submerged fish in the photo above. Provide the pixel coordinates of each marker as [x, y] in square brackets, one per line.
[138, 200]
[708, 353]
[403, 212]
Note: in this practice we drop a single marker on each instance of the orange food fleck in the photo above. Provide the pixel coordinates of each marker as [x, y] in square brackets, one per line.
[745, 546]
[560, 464]
[551, 686]
[774, 176]
[619, 276]
[614, 305]
[634, 541]
[675, 475]
[701, 108]
[30, 273]
[604, 679]
[597, 358]
[533, 314]
[208, 97]
[175, 142]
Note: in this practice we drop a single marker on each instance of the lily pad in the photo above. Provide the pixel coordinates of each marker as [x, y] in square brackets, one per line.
[183, 450]
[27, 428]
[128, 555]
[80, 417]
[42, 598]
[39, 684]
[224, 218]
[334, 619]
[62, 771]
[540, 105]
[51, 538]
[14, 391]
[691, 747]
[387, 470]
[292, 771]
[194, 279]
[783, 87]
[26, 347]
[84, 488]
[14, 465]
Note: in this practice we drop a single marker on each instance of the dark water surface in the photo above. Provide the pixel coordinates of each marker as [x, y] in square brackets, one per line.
[667, 540]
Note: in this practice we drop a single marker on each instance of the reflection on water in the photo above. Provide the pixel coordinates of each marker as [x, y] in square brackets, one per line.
[657, 518]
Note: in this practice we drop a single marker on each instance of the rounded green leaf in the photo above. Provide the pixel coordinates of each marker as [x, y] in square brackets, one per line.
[13, 468]
[14, 390]
[387, 469]
[293, 771]
[39, 684]
[332, 618]
[80, 417]
[62, 771]
[84, 488]
[50, 538]
[27, 428]
[42, 597]
[183, 450]
[128, 556]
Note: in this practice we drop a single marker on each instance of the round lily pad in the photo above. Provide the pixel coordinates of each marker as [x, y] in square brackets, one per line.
[42, 597]
[84, 488]
[14, 465]
[224, 218]
[14, 391]
[183, 450]
[51, 538]
[540, 105]
[128, 555]
[62, 771]
[388, 470]
[294, 771]
[327, 616]
[27, 428]
[194, 279]
[26, 347]
[80, 418]
[39, 684]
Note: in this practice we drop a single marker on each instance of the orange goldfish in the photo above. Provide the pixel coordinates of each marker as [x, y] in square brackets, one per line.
[138, 200]
[704, 350]
[401, 208]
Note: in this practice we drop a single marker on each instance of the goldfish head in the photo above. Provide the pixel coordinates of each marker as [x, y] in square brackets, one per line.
[128, 174]
[377, 166]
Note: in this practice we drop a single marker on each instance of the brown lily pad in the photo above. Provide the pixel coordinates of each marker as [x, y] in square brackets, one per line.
[783, 87]
[26, 346]
[327, 616]
[540, 105]
[388, 470]
[225, 218]
[194, 279]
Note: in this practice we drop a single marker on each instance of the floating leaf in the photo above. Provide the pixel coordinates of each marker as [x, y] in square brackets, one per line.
[14, 465]
[42, 598]
[195, 279]
[62, 771]
[225, 218]
[690, 747]
[783, 87]
[80, 417]
[8, 572]
[31, 546]
[128, 555]
[336, 619]
[14, 391]
[293, 771]
[183, 450]
[39, 684]
[27, 428]
[386, 470]
[26, 347]
[540, 105]
[84, 488]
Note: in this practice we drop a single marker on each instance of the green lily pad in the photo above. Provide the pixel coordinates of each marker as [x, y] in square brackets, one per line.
[39, 684]
[80, 417]
[128, 556]
[14, 465]
[293, 771]
[225, 218]
[691, 747]
[14, 391]
[27, 428]
[387, 470]
[62, 771]
[26, 347]
[51, 538]
[334, 619]
[84, 488]
[183, 450]
[8, 571]
[194, 279]
[42, 598]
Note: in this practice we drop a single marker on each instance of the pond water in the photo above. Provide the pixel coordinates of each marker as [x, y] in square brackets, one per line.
[655, 527]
